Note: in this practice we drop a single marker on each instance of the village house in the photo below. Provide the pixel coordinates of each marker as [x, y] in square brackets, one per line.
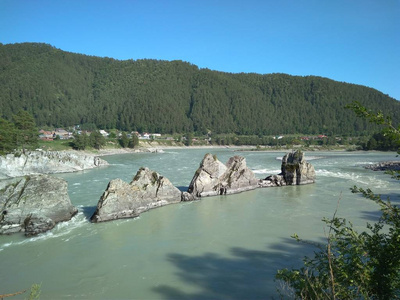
[104, 133]
[62, 133]
[46, 135]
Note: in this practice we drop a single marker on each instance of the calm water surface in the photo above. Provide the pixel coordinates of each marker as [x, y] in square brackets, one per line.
[224, 247]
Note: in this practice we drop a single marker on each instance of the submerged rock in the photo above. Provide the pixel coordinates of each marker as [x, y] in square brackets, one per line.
[272, 180]
[384, 166]
[147, 190]
[46, 162]
[33, 204]
[214, 178]
[295, 170]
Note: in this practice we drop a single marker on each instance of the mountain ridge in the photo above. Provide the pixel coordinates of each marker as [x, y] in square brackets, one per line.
[62, 88]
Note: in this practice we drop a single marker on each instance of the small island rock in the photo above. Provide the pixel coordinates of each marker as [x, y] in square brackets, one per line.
[147, 190]
[214, 178]
[33, 204]
[295, 170]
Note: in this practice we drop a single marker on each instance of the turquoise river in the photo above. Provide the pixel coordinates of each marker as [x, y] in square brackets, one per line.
[224, 247]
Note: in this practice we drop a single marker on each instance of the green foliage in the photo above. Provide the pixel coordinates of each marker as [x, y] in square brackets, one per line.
[382, 142]
[134, 141]
[189, 139]
[80, 142]
[112, 135]
[389, 137]
[35, 292]
[19, 134]
[7, 137]
[175, 97]
[123, 140]
[97, 140]
[354, 265]
[26, 133]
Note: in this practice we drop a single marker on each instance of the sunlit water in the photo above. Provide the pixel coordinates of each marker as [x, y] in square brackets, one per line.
[224, 247]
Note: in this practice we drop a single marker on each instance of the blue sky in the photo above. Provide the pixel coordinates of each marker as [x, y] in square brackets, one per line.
[355, 41]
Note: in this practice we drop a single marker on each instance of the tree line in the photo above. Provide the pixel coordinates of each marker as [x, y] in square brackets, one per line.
[64, 89]
[20, 133]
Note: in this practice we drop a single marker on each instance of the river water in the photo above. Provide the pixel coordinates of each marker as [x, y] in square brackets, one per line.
[223, 247]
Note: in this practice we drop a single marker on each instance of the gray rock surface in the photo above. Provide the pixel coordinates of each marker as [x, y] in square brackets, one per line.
[214, 178]
[147, 190]
[33, 204]
[273, 180]
[385, 166]
[46, 162]
[295, 170]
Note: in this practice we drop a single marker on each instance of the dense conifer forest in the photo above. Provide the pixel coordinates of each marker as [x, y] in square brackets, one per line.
[63, 89]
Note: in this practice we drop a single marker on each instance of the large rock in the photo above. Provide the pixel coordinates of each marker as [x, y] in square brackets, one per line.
[33, 204]
[214, 178]
[295, 170]
[147, 190]
[46, 162]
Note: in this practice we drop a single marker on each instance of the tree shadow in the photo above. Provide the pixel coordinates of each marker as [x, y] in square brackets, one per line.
[243, 274]
[373, 216]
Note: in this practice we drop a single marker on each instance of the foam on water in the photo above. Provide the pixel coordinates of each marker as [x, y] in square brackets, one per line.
[357, 177]
[305, 157]
[60, 230]
[266, 171]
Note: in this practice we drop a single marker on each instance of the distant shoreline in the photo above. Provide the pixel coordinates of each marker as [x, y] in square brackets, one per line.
[161, 148]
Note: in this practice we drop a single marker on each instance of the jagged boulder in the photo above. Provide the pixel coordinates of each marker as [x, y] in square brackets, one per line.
[33, 204]
[295, 170]
[205, 181]
[47, 162]
[147, 190]
[214, 178]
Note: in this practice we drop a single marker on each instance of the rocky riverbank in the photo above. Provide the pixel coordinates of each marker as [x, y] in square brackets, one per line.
[47, 162]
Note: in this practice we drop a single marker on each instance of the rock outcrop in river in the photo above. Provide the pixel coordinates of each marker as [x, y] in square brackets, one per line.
[33, 204]
[295, 170]
[214, 178]
[147, 190]
[385, 166]
[46, 162]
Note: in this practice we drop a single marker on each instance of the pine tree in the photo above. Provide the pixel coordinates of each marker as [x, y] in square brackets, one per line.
[27, 132]
[7, 137]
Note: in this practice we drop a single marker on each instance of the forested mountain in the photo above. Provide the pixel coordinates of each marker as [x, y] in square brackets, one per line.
[64, 89]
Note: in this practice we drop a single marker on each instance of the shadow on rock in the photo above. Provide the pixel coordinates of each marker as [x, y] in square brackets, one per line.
[88, 211]
[182, 188]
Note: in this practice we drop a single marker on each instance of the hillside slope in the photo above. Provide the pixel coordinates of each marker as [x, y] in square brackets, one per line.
[63, 89]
